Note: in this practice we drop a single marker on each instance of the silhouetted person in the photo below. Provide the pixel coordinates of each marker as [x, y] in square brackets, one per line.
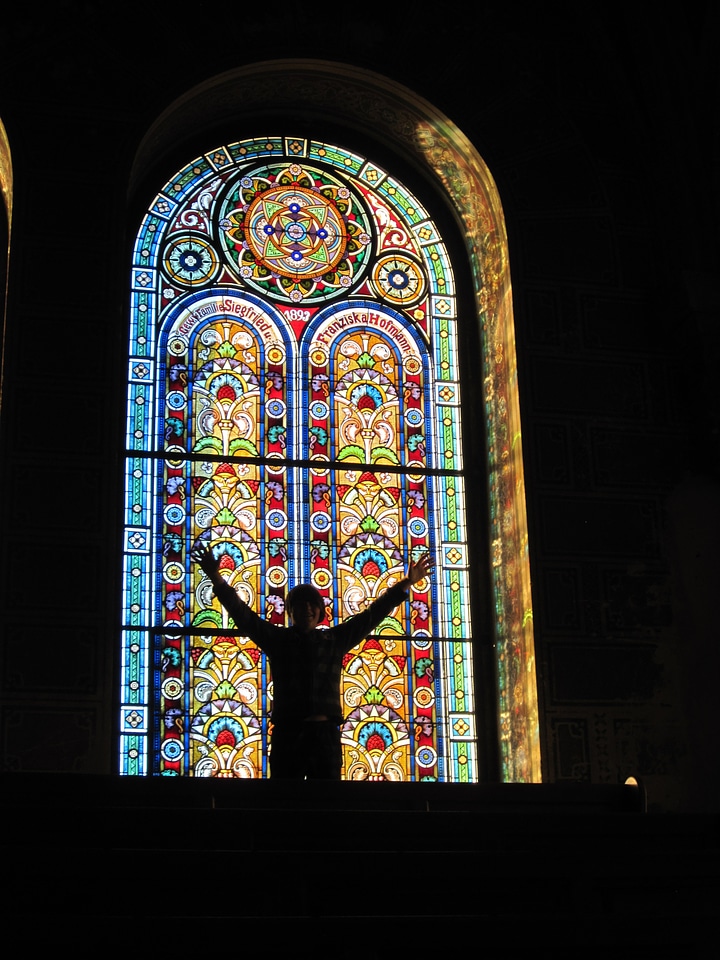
[306, 665]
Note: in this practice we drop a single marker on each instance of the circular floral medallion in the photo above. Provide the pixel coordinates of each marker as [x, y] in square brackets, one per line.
[418, 527]
[176, 400]
[190, 261]
[174, 514]
[172, 688]
[319, 410]
[426, 757]
[277, 576]
[173, 572]
[177, 346]
[295, 231]
[412, 365]
[321, 578]
[276, 354]
[319, 522]
[276, 409]
[171, 750]
[276, 519]
[398, 279]
[424, 697]
[414, 416]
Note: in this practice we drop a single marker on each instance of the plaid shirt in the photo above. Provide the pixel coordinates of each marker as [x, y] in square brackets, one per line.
[306, 667]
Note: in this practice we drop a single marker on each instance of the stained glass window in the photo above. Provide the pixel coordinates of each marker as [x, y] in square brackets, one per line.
[294, 401]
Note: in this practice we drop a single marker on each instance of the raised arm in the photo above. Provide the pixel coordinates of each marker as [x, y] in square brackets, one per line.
[252, 625]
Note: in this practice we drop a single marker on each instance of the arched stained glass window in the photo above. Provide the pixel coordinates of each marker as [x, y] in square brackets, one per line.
[294, 401]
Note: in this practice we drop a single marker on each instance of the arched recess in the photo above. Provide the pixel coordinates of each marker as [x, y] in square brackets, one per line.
[381, 111]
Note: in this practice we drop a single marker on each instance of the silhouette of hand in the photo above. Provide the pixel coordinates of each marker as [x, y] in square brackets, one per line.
[207, 560]
[422, 568]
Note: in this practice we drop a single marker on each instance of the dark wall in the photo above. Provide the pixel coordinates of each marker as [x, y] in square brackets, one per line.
[600, 129]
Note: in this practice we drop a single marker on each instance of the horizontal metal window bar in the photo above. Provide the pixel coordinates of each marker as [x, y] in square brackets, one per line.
[215, 632]
[294, 463]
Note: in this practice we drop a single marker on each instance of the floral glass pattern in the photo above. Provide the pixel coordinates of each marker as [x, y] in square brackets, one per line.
[294, 401]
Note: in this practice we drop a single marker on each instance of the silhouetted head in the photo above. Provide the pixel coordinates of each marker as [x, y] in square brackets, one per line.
[305, 606]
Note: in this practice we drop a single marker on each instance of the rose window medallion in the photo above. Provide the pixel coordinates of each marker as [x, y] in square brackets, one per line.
[295, 232]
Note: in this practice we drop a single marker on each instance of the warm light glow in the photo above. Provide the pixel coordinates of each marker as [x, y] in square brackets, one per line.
[470, 186]
[6, 187]
[6, 174]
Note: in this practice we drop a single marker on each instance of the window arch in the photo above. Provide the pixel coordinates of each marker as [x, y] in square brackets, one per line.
[406, 295]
